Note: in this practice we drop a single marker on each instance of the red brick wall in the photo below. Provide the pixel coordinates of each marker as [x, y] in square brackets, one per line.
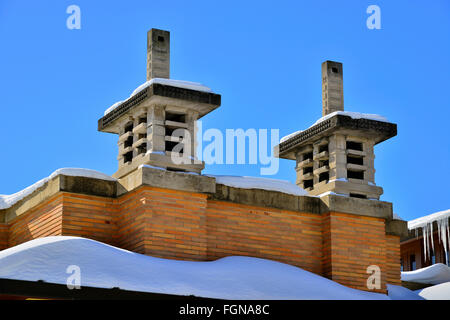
[415, 247]
[290, 237]
[163, 223]
[183, 225]
[89, 217]
[393, 260]
[3, 236]
[41, 221]
[351, 244]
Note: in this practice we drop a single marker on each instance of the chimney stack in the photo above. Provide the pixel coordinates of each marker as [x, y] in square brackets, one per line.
[332, 87]
[158, 54]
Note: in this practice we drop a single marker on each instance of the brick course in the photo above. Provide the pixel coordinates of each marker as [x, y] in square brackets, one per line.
[189, 226]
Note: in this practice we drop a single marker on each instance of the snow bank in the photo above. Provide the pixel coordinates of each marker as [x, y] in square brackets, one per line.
[437, 292]
[260, 183]
[354, 115]
[6, 201]
[175, 83]
[402, 293]
[105, 266]
[426, 224]
[435, 274]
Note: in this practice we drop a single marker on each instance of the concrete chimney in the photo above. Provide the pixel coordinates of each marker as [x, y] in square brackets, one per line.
[158, 54]
[332, 87]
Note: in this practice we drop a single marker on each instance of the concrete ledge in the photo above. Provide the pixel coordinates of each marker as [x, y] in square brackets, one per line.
[167, 179]
[397, 228]
[265, 198]
[360, 207]
[156, 160]
[89, 186]
[61, 183]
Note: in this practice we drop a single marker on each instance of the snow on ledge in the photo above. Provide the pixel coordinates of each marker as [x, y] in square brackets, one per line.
[283, 139]
[260, 183]
[7, 201]
[353, 115]
[434, 274]
[169, 82]
[105, 266]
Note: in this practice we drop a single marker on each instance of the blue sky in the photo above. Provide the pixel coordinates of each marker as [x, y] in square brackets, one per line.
[263, 57]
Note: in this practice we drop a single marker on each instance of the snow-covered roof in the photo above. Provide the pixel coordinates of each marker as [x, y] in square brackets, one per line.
[434, 274]
[426, 224]
[401, 293]
[437, 292]
[423, 221]
[353, 115]
[7, 201]
[105, 266]
[170, 82]
[260, 183]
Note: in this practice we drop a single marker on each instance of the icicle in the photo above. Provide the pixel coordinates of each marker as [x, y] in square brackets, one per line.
[446, 239]
[439, 231]
[426, 225]
[443, 227]
[425, 240]
[431, 236]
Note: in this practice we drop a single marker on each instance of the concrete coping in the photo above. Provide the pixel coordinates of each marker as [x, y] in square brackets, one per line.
[61, 183]
[188, 182]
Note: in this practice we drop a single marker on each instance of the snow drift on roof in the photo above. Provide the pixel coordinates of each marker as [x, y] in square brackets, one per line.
[435, 274]
[353, 115]
[260, 183]
[402, 293]
[437, 292]
[174, 83]
[6, 201]
[105, 266]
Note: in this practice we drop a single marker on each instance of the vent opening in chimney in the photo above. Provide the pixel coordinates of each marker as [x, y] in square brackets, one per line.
[355, 160]
[352, 145]
[308, 184]
[307, 170]
[324, 176]
[127, 157]
[353, 174]
[128, 142]
[129, 127]
[357, 195]
[176, 117]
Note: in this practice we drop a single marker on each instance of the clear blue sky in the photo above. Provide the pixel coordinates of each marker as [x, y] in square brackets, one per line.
[263, 57]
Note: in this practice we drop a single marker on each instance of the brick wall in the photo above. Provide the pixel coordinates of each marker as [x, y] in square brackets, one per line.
[89, 217]
[393, 259]
[351, 244]
[185, 225]
[41, 221]
[163, 223]
[290, 237]
[3, 236]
